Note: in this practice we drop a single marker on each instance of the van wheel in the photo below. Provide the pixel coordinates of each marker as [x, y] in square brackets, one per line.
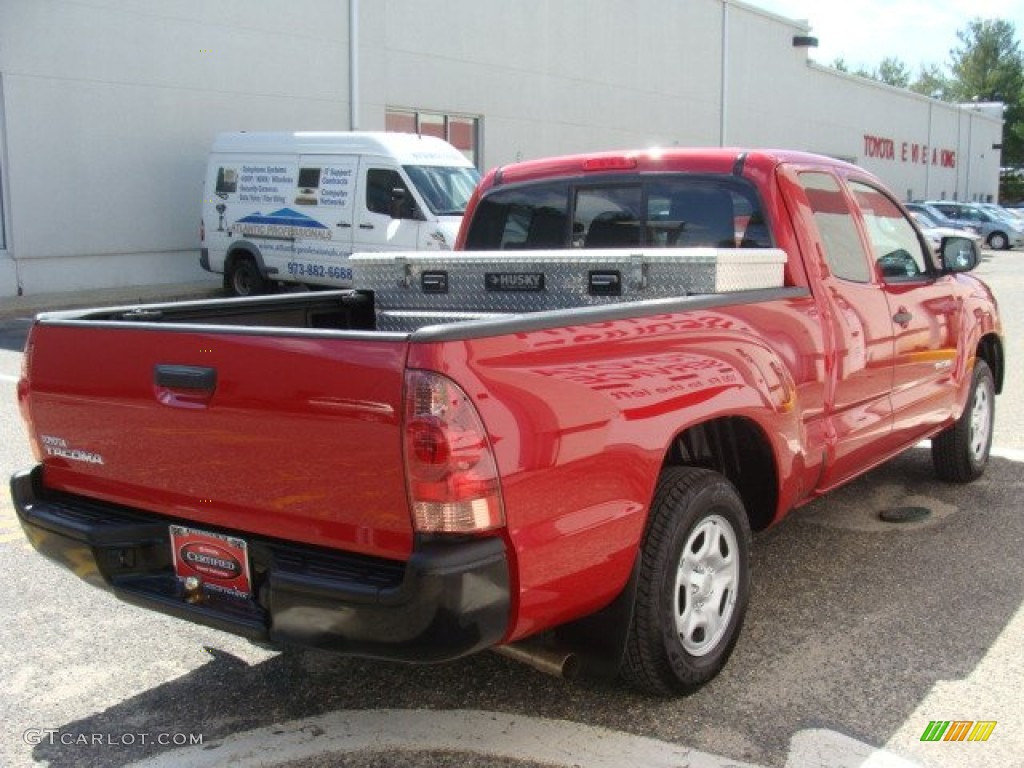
[243, 278]
[694, 583]
[960, 453]
[997, 241]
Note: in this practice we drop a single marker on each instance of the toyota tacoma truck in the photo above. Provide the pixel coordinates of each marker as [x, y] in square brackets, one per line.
[555, 441]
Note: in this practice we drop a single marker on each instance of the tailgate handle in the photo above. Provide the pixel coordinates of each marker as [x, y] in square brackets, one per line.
[185, 377]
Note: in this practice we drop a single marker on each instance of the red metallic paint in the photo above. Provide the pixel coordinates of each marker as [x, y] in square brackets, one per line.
[301, 439]
[280, 449]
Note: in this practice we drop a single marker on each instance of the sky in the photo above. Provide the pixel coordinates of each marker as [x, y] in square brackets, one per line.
[919, 32]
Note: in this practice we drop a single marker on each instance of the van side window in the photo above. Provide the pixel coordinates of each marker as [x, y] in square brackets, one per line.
[227, 182]
[308, 187]
[844, 250]
[897, 250]
[387, 194]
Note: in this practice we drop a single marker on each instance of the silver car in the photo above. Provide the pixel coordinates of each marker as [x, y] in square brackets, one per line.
[999, 233]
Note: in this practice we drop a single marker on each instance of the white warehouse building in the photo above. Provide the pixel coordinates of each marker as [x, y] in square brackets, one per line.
[108, 108]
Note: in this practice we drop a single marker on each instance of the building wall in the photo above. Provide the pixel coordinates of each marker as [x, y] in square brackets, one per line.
[107, 109]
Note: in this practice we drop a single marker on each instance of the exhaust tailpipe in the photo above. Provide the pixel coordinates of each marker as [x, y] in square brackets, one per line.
[550, 661]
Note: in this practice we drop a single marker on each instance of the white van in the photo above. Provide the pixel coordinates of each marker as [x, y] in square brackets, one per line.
[292, 207]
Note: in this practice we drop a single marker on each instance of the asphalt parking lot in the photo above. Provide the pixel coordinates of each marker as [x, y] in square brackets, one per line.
[860, 634]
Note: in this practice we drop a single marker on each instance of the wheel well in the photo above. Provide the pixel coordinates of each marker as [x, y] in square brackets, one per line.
[991, 351]
[237, 254]
[737, 448]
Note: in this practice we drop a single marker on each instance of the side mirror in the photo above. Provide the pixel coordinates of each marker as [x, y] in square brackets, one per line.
[959, 254]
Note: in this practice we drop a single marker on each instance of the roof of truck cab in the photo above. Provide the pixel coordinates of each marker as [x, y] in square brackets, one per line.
[690, 160]
[405, 148]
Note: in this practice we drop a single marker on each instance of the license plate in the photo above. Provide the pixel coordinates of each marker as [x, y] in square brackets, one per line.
[221, 563]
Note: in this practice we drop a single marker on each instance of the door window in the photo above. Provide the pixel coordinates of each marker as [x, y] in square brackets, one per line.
[897, 251]
[388, 194]
[844, 250]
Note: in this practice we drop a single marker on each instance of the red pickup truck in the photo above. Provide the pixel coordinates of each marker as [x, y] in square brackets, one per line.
[559, 438]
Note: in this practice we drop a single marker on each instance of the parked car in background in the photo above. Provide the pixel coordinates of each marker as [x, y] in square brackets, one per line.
[1014, 215]
[999, 233]
[940, 219]
[934, 232]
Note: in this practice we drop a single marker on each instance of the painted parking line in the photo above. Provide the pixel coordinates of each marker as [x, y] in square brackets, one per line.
[494, 734]
[10, 528]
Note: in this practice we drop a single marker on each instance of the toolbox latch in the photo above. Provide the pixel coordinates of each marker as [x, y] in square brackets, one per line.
[434, 282]
[606, 282]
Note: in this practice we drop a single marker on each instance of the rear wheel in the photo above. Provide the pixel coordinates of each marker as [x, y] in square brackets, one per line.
[998, 241]
[243, 278]
[694, 583]
[960, 454]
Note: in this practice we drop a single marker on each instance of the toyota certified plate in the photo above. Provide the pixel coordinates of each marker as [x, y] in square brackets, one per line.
[220, 562]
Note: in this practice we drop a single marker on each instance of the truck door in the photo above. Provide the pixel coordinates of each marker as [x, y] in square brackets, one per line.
[388, 213]
[924, 311]
[323, 213]
[859, 355]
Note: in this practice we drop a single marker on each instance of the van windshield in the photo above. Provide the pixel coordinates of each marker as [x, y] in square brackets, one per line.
[445, 189]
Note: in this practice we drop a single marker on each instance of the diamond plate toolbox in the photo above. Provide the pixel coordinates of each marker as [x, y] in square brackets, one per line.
[416, 288]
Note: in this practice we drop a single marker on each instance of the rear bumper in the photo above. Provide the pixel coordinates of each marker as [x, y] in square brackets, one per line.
[449, 599]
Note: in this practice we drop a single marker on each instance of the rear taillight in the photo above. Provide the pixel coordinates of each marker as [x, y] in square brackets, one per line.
[450, 466]
[23, 395]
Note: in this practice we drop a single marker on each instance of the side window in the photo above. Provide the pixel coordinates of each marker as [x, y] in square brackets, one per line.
[308, 187]
[608, 217]
[387, 194]
[897, 250]
[227, 182]
[844, 251]
[524, 218]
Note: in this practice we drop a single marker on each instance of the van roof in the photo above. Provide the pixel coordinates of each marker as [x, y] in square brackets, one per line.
[405, 148]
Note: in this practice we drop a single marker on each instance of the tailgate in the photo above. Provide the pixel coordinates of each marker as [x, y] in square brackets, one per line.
[284, 435]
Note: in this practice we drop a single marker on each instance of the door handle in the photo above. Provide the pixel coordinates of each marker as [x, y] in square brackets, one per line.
[903, 317]
[184, 386]
[344, 225]
[366, 226]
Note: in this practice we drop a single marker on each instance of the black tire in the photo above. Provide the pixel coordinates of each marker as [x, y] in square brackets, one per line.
[960, 453]
[243, 278]
[696, 511]
[998, 241]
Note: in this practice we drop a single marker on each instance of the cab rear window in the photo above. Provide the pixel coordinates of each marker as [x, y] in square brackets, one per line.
[662, 211]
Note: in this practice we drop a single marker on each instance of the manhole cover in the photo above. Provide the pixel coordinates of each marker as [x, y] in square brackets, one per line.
[904, 514]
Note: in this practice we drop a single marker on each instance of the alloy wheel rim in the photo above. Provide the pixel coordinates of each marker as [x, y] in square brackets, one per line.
[981, 423]
[706, 582]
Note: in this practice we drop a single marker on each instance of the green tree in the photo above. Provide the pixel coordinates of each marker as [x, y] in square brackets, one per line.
[893, 71]
[932, 81]
[989, 66]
